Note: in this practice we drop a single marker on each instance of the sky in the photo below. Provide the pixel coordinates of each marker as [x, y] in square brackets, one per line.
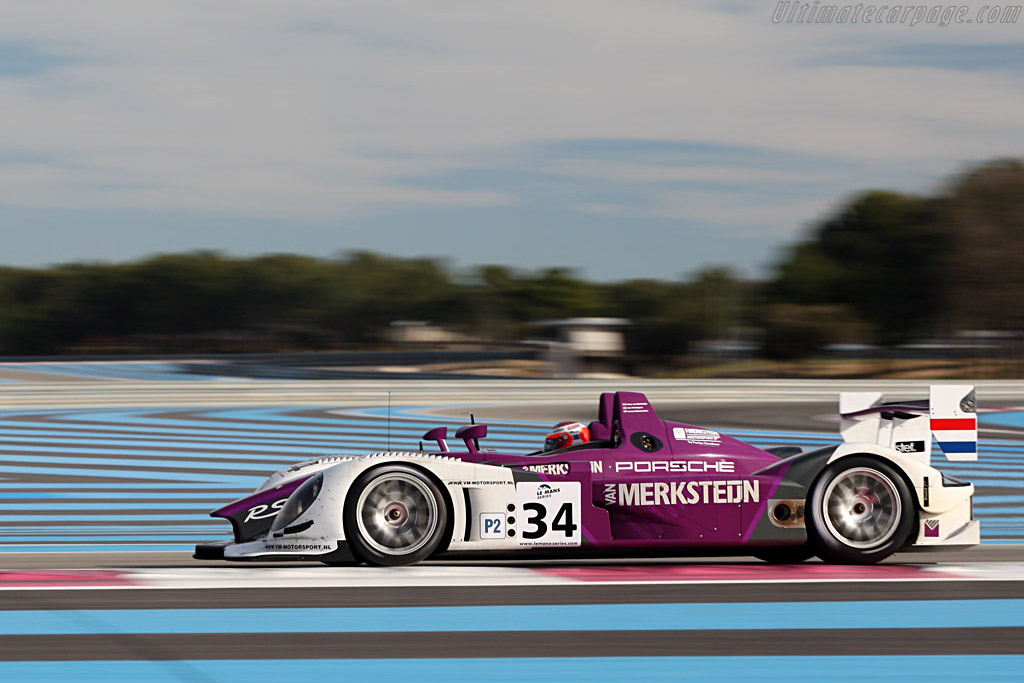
[644, 138]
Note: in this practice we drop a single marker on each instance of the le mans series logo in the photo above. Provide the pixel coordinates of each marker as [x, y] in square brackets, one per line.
[546, 491]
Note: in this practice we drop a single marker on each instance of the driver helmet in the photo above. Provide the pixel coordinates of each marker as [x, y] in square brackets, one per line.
[566, 434]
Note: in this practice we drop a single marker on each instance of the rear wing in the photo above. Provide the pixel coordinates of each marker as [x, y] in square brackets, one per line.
[949, 415]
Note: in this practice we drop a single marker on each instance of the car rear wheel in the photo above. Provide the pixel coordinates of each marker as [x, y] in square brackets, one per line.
[861, 511]
[394, 515]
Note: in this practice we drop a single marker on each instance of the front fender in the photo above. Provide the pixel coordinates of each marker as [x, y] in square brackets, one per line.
[252, 516]
[470, 488]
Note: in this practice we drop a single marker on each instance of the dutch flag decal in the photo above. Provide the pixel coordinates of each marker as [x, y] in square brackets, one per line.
[954, 421]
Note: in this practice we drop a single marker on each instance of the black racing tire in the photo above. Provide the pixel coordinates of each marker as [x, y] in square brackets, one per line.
[785, 554]
[394, 515]
[860, 511]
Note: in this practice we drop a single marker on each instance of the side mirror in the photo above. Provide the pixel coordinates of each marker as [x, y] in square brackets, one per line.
[438, 434]
[471, 434]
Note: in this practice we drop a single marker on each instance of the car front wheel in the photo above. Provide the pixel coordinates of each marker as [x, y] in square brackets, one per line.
[394, 515]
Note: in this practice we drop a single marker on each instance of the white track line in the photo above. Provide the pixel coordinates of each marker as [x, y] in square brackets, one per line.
[440, 576]
[203, 393]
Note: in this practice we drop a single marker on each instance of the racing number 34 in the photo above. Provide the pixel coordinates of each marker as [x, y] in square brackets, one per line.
[550, 513]
[537, 519]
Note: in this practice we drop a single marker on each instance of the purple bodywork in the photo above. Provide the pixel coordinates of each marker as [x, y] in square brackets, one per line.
[655, 482]
[646, 482]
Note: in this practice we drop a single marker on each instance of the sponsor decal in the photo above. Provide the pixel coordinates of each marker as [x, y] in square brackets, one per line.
[931, 528]
[701, 437]
[560, 469]
[265, 511]
[643, 494]
[677, 466]
[492, 525]
[910, 446]
[635, 407]
[298, 546]
[545, 491]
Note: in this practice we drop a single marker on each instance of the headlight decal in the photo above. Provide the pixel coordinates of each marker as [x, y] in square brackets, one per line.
[298, 502]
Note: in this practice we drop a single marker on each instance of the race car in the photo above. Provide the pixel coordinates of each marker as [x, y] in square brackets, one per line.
[640, 482]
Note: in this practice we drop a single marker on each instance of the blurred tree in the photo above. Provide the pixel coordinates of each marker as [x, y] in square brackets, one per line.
[886, 267]
[983, 212]
[284, 296]
[669, 316]
[661, 328]
[550, 293]
[30, 322]
[91, 301]
[714, 300]
[372, 290]
[793, 331]
[879, 256]
[189, 293]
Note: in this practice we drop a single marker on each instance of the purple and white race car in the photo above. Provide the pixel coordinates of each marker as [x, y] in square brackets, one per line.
[640, 483]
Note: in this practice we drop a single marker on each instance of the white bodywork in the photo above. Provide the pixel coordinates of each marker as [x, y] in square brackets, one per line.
[944, 512]
[950, 417]
[490, 490]
[904, 437]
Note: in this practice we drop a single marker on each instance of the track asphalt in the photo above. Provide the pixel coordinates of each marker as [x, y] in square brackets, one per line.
[98, 506]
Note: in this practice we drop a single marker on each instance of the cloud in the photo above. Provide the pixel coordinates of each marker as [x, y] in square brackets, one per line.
[956, 56]
[331, 112]
[20, 60]
[731, 216]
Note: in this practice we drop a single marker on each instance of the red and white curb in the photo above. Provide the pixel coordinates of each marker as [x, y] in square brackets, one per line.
[426, 576]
